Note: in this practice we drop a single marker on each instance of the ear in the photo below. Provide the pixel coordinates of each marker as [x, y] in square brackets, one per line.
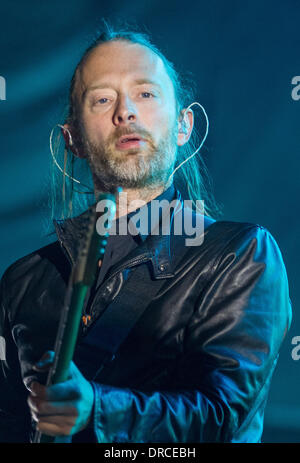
[185, 126]
[70, 140]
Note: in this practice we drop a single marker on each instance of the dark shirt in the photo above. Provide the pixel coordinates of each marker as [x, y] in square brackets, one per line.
[119, 246]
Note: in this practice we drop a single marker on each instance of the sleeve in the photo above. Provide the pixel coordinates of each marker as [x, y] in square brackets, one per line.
[15, 422]
[231, 347]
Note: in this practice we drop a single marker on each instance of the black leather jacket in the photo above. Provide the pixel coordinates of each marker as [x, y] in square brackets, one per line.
[197, 365]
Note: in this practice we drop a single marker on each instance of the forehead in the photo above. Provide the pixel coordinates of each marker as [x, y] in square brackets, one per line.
[122, 61]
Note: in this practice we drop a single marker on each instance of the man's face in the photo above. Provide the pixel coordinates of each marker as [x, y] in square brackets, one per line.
[128, 118]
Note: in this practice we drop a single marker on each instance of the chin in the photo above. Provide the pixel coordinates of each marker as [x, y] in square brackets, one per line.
[129, 154]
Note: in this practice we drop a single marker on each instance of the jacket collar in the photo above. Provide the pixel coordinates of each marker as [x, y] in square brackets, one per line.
[161, 250]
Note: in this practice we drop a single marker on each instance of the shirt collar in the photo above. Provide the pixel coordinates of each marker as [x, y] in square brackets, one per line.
[157, 246]
[71, 231]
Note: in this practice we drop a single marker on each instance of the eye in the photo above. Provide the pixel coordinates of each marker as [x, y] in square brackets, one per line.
[147, 95]
[102, 100]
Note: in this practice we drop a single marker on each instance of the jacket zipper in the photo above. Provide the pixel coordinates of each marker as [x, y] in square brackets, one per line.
[88, 319]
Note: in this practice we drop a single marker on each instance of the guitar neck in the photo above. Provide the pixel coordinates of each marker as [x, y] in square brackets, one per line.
[81, 279]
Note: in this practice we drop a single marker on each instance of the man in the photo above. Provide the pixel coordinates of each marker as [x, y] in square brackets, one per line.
[197, 365]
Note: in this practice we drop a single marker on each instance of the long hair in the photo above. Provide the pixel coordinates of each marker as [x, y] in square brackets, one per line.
[192, 178]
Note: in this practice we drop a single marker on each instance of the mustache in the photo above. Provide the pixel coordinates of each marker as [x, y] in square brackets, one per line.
[121, 131]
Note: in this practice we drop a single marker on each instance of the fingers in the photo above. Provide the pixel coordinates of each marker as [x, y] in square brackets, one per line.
[56, 417]
[41, 407]
[45, 361]
[63, 408]
[56, 425]
[67, 391]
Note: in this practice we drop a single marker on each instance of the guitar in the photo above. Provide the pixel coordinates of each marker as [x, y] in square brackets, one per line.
[90, 255]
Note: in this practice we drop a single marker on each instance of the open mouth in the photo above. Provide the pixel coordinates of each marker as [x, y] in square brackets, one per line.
[130, 141]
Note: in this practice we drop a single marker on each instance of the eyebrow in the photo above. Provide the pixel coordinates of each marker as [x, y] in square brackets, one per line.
[108, 85]
[146, 81]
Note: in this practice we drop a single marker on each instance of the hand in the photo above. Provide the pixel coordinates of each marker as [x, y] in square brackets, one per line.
[62, 409]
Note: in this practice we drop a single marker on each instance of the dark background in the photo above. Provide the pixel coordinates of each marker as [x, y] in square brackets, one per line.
[243, 55]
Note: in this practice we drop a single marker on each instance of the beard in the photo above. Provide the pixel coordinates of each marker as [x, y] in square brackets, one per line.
[148, 166]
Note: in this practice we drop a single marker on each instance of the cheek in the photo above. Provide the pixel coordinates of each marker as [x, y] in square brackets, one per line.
[96, 129]
[159, 123]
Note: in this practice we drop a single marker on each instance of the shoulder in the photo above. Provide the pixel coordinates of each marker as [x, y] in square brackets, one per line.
[224, 246]
[241, 243]
[227, 233]
[241, 238]
[34, 264]
[250, 258]
[239, 235]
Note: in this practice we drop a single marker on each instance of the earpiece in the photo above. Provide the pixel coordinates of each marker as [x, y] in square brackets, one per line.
[183, 129]
[69, 140]
[68, 143]
[183, 124]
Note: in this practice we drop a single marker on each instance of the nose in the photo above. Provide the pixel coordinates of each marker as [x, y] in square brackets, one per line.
[125, 112]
